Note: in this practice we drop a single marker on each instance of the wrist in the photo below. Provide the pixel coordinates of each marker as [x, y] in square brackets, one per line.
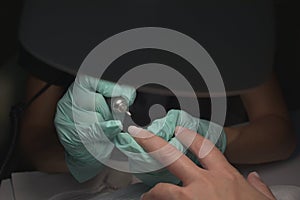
[231, 135]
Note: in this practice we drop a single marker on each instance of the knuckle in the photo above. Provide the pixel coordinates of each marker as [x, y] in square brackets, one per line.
[158, 186]
[232, 175]
[152, 192]
[181, 193]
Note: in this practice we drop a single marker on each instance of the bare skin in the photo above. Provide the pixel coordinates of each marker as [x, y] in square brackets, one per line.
[39, 141]
[217, 180]
[267, 137]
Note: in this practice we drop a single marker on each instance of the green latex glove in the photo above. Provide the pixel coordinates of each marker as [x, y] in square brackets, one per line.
[165, 128]
[85, 124]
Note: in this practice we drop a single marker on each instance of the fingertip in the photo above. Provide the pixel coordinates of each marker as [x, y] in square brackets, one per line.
[134, 131]
[179, 130]
[255, 174]
[139, 133]
[142, 196]
[255, 180]
[115, 125]
[254, 177]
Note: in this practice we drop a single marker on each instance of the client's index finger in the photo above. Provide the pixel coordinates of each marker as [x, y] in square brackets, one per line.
[177, 163]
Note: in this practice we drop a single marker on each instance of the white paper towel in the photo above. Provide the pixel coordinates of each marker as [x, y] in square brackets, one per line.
[286, 192]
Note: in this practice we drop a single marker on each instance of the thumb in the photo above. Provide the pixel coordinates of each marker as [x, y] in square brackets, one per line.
[255, 180]
[163, 191]
[110, 89]
[106, 88]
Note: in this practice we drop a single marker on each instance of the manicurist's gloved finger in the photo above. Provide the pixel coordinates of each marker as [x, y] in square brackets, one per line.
[165, 126]
[106, 88]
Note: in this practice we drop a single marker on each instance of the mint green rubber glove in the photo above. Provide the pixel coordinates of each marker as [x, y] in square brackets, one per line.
[85, 124]
[165, 128]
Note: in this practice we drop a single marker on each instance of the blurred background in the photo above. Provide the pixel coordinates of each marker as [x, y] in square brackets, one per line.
[13, 77]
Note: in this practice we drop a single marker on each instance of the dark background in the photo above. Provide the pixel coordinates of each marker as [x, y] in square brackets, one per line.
[286, 60]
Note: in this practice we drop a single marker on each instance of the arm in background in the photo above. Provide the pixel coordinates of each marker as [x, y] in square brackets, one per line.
[269, 135]
[38, 138]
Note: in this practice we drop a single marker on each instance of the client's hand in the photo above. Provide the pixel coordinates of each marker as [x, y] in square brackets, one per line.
[217, 181]
[165, 128]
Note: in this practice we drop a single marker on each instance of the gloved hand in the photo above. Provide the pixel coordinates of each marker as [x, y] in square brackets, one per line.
[165, 128]
[85, 124]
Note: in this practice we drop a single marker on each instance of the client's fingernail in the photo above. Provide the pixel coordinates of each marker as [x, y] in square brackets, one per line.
[134, 131]
[256, 174]
[142, 196]
[178, 130]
